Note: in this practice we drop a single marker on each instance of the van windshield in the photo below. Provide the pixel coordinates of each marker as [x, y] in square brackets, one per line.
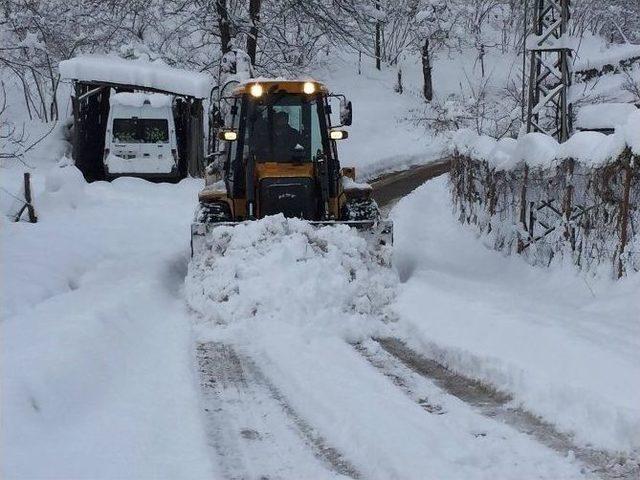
[141, 130]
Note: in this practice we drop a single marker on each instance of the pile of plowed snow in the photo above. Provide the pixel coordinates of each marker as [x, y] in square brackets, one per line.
[285, 269]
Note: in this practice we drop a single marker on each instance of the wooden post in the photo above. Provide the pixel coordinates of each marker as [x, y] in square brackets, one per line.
[567, 204]
[523, 206]
[28, 206]
[624, 212]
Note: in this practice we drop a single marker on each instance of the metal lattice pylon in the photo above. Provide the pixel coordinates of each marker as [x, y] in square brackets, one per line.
[550, 76]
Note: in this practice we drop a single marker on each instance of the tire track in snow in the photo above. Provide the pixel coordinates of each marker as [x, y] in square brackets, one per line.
[491, 404]
[254, 431]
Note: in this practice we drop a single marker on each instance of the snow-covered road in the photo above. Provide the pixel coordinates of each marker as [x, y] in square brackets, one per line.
[294, 302]
[263, 366]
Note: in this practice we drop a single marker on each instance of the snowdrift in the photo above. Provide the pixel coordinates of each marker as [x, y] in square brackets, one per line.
[95, 343]
[567, 347]
[286, 270]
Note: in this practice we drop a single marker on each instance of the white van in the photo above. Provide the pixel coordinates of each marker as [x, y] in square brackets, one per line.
[140, 138]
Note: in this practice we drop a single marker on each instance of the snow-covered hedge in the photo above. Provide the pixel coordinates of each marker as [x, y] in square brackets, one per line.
[613, 60]
[577, 201]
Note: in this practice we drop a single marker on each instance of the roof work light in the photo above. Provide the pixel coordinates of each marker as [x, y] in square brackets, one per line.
[256, 90]
[309, 88]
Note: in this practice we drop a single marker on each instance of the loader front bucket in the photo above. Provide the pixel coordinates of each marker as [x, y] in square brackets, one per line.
[377, 233]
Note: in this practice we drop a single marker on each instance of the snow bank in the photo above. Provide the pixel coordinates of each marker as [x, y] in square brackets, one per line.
[381, 139]
[144, 165]
[286, 270]
[64, 188]
[613, 55]
[631, 132]
[566, 347]
[95, 341]
[141, 72]
[536, 149]
[604, 115]
[540, 150]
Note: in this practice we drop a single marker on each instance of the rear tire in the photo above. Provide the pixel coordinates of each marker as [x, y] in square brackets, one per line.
[361, 209]
[215, 212]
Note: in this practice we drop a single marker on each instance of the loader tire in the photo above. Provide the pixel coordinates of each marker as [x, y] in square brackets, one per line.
[215, 212]
[361, 209]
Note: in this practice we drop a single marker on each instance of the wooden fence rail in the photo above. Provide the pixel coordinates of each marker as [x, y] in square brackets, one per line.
[590, 214]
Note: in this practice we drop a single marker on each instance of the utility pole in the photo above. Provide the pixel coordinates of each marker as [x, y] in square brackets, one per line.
[549, 75]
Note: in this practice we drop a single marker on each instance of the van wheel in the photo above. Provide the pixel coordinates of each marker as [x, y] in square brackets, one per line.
[361, 209]
[213, 213]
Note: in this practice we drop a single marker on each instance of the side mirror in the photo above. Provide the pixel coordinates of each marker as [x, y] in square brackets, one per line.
[216, 117]
[213, 169]
[349, 172]
[346, 112]
[338, 134]
[228, 135]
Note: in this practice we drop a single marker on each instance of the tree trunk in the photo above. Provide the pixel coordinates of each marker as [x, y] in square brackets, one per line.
[252, 39]
[378, 29]
[223, 25]
[427, 89]
[398, 86]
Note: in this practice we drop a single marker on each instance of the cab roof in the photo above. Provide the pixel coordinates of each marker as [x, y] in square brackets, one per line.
[272, 85]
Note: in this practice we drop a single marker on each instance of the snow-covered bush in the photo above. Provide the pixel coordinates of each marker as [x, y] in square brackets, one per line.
[577, 202]
[496, 114]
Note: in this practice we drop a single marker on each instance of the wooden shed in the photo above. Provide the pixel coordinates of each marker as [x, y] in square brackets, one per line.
[95, 78]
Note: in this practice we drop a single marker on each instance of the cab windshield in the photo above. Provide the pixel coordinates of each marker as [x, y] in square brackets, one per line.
[283, 128]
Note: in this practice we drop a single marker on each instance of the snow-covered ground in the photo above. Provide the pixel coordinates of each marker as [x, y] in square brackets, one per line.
[97, 376]
[98, 346]
[567, 346]
[380, 139]
[104, 349]
[293, 300]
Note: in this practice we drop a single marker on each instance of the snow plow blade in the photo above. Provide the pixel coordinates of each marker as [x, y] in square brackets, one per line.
[377, 233]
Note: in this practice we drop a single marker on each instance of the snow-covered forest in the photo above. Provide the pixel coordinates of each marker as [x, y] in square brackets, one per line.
[496, 336]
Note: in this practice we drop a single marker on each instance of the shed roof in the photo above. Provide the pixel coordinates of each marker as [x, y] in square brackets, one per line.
[144, 74]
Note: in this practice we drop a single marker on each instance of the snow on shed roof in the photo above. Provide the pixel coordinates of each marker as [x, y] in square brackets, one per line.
[142, 73]
[604, 115]
[612, 55]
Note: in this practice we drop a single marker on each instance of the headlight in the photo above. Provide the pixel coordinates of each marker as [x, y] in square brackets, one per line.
[338, 134]
[228, 135]
[309, 88]
[256, 90]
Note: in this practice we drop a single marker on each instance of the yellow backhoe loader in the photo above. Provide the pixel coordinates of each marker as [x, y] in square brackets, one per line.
[279, 156]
